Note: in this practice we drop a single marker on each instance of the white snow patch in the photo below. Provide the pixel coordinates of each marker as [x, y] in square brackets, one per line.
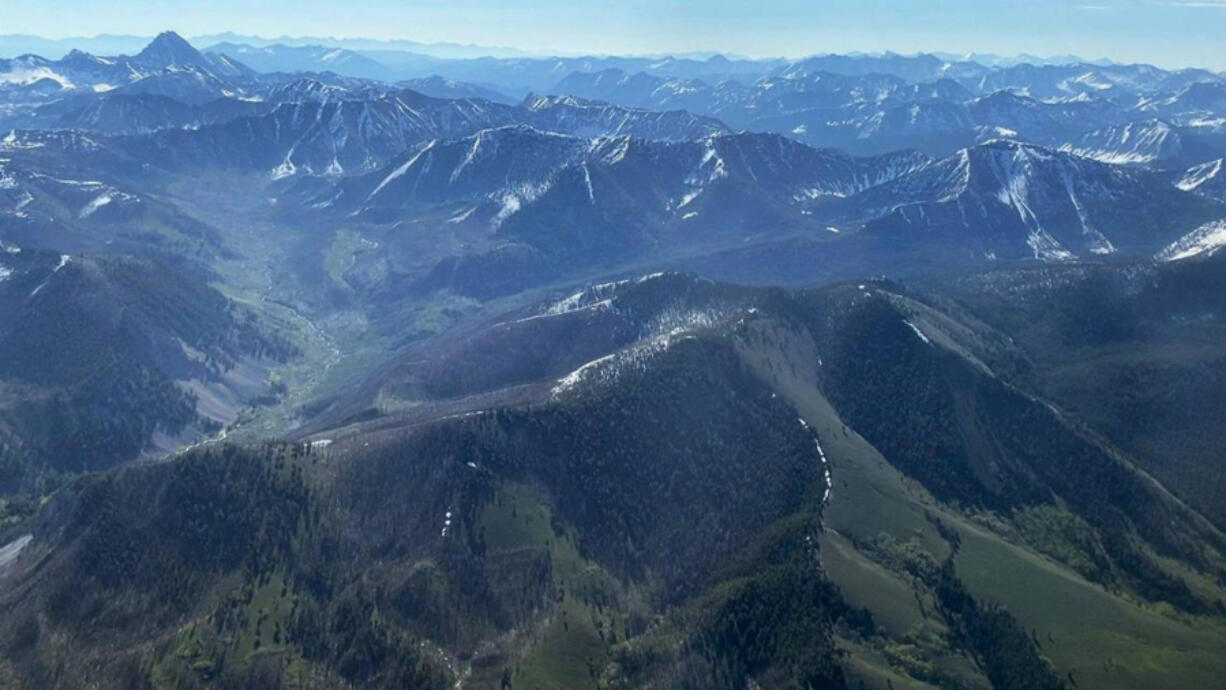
[471, 156]
[510, 206]
[618, 152]
[446, 522]
[400, 171]
[710, 169]
[821, 456]
[514, 200]
[587, 178]
[25, 200]
[919, 333]
[570, 380]
[670, 327]
[286, 169]
[1207, 240]
[64, 259]
[461, 216]
[1199, 175]
[29, 75]
[9, 552]
[97, 203]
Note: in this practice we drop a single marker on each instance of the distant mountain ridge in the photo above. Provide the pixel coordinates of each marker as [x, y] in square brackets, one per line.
[168, 65]
[938, 107]
[865, 104]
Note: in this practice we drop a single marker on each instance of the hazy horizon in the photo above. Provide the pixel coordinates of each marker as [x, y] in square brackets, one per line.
[1167, 34]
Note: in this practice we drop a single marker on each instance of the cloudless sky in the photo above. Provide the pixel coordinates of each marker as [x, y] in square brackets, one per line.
[1165, 32]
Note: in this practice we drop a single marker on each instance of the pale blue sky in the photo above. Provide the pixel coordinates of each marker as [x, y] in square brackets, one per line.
[1165, 32]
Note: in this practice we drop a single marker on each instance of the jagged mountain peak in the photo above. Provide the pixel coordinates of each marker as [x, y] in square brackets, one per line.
[169, 49]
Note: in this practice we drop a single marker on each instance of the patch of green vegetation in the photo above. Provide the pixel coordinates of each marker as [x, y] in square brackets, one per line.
[584, 620]
[1054, 532]
[339, 256]
[572, 652]
[870, 669]
[1103, 640]
[269, 609]
[896, 605]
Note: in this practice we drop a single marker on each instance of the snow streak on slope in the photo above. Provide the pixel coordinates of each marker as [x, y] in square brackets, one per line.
[9, 552]
[669, 327]
[821, 456]
[1015, 172]
[1205, 240]
[1198, 176]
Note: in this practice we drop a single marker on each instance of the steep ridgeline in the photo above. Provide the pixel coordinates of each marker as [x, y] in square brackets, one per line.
[123, 112]
[338, 132]
[888, 76]
[938, 107]
[586, 118]
[328, 135]
[1152, 143]
[660, 482]
[496, 209]
[871, 113]
[1198, 100]
[169, 81]
[104, 359]
[382, 117]
[493, 161]
[168, 66]
[511, 208]
[1007, 200]
[536, 206]
[863, 104]
[288, 59]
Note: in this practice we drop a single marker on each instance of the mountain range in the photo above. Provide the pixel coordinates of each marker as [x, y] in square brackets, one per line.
[331, 364]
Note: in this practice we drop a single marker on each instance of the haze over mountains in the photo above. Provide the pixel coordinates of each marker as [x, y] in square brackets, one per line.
[345, 364]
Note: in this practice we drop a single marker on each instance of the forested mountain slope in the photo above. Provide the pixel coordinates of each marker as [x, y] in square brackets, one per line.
[103, 359]
[663, 481]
